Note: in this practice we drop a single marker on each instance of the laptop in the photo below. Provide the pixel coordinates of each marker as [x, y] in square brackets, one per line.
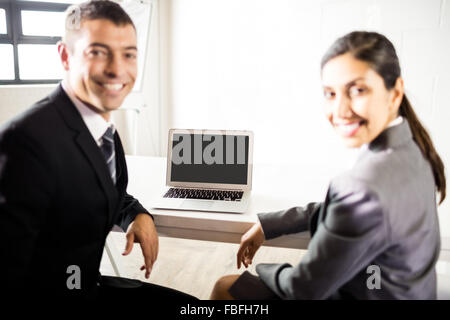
[208, 170]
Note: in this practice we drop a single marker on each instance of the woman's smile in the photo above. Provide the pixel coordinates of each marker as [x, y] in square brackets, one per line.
[349, 129]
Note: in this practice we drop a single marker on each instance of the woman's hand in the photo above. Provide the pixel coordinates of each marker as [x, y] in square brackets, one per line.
[250, 242]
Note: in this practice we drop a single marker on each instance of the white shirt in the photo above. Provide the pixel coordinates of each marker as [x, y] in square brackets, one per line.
[95, 123]
[355, 154]
[395, 122]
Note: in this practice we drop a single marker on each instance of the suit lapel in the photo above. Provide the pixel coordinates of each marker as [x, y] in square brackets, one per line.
[87, 145]
[93, 153]
[121, 167]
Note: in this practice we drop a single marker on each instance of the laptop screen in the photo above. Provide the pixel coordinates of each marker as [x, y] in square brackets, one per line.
[207, 158]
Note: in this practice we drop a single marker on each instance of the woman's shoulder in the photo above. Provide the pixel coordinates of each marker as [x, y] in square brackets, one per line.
[354, 207]
[398, 178]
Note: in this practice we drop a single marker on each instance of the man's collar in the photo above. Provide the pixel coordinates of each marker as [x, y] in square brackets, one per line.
[95, 123]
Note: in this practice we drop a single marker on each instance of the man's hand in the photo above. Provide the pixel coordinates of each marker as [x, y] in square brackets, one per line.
[250, 243]
[143, 231]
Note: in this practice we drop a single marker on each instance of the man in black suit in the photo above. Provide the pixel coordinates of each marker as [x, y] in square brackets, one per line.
[63, 175]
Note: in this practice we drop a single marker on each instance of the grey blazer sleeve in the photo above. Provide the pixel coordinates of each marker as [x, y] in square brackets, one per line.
[351, 234]
[293, 220]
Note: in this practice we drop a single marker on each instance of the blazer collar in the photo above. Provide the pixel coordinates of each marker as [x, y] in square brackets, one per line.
[86, 143]
[67, 110]
[392, 137]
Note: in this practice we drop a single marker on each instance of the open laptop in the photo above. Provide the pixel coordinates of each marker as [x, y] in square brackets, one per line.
[208, 170]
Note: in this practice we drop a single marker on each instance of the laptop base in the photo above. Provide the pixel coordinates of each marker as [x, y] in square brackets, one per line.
[204, 205]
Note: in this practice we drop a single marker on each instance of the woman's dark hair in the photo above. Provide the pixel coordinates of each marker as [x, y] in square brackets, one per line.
[376, 50]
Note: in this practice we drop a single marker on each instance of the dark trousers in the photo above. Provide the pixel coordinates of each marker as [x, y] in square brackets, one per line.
[112, 294]
[123, 290]
[115, 298]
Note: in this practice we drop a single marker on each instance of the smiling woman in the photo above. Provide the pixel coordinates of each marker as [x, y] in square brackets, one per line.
[379, 215]
[377, 99]
[357, 103]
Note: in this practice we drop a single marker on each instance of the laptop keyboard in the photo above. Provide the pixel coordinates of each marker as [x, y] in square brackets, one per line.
[204, 194]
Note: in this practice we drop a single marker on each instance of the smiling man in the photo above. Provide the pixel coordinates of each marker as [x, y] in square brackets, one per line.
[100, 58]
[63, 175]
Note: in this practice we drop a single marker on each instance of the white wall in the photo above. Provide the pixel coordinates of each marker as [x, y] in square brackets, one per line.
[254, 64]
[16, 99]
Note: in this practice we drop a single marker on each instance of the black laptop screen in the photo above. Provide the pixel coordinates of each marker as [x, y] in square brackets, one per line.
[209, 158]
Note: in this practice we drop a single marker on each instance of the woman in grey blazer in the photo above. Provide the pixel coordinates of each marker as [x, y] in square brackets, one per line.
[376, 235]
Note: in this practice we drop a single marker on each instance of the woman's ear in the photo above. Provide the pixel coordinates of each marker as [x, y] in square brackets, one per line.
[396, 96]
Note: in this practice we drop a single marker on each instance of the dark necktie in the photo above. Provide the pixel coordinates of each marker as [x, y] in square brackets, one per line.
[109, 152]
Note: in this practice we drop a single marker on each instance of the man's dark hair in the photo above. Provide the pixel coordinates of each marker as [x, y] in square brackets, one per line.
[92, 10]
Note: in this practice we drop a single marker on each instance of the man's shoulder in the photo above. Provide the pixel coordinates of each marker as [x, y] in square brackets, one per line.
[38, 120]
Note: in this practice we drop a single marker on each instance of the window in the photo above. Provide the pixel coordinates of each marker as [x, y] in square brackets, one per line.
[30, 29]
[2, 21]
[32, 23]
[6, 62]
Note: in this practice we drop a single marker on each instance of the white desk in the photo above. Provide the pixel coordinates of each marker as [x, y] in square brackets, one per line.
[274, 188]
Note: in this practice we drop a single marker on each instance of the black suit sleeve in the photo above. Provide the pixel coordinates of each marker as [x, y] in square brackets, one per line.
[130, 209]
[25, 195]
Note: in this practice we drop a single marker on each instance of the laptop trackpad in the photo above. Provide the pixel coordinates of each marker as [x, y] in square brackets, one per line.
[196, 204]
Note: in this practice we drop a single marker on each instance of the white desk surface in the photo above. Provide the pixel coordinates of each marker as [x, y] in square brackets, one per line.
[274, 188]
